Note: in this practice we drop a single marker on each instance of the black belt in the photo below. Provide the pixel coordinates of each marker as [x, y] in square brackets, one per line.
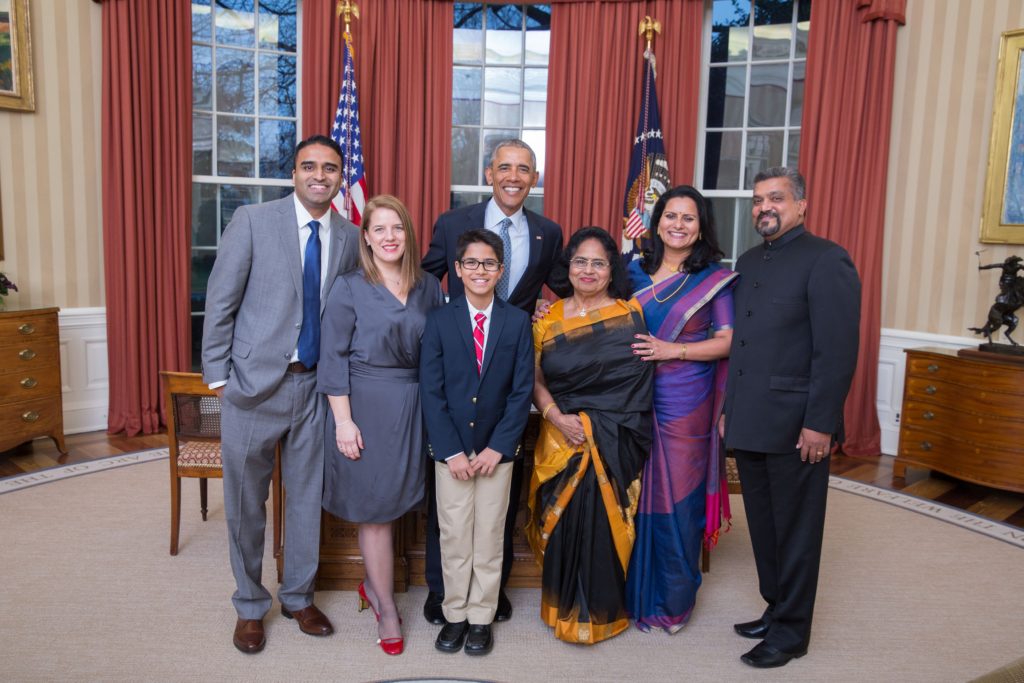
[298, 366]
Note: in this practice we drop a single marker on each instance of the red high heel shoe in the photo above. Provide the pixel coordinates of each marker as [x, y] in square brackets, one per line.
[364, 602]
[392, 646]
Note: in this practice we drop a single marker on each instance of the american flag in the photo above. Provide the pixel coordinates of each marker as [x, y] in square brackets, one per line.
[648, 167]
[351, 200]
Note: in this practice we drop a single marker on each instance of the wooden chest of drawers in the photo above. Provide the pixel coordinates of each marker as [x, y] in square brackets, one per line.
[963, 417]
[30, 386]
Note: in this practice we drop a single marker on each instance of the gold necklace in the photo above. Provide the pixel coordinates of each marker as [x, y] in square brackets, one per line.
[676, 291]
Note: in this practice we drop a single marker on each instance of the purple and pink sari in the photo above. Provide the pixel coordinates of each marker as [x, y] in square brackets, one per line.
[684, 496]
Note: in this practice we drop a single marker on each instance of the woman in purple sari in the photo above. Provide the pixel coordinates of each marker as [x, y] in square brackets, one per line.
[687, 303]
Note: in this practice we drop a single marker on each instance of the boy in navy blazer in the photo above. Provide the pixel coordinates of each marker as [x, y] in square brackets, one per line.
[476, 378]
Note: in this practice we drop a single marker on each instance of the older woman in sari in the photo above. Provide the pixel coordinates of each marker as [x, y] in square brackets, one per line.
[687, 303]
[595, 397]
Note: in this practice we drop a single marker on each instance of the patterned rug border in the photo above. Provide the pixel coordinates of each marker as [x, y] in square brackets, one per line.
[930, 508]
[20, 482]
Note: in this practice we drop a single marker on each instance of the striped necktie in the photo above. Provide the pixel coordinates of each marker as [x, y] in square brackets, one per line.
[478, 340]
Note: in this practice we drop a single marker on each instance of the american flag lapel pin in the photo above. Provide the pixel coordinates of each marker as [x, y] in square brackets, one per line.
[538, 237]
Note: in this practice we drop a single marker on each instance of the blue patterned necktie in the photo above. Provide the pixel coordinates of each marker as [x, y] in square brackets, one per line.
[309, 334]
[506, 240]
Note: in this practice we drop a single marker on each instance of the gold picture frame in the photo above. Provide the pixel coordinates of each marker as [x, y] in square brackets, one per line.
[16, 91]
[1002, 216]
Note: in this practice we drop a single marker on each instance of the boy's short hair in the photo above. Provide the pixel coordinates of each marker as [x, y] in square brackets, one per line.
[479, 236]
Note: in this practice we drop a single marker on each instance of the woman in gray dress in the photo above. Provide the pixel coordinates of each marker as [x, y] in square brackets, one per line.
[369, 359]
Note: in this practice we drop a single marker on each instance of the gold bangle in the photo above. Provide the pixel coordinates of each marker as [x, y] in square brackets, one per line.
[544, 413]
[682, 356]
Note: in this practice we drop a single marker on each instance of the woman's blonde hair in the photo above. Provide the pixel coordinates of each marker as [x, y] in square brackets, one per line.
[410, 266]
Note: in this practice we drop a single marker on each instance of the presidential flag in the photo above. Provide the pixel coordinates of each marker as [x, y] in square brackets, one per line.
[648, 167]
[351, 199]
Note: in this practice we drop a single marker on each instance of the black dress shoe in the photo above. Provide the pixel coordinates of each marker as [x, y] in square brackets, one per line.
[479, 641]
[756, 629]
[432, 611]
[504, 612]
[452, 637]
[764, 656]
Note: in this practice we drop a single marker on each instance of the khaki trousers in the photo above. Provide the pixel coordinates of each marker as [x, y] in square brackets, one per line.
[471, 515]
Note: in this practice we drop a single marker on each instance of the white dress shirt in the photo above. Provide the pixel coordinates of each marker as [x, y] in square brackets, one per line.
[519, 233]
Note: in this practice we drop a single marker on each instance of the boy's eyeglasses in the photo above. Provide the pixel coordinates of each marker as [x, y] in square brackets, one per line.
[596, 263]
[490, 265]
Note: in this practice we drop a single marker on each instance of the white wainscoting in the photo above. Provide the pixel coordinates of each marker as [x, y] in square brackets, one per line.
[891, 366]
[83, 369]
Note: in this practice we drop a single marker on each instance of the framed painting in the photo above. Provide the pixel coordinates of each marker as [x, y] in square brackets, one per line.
[1002, 216]
[15, 57]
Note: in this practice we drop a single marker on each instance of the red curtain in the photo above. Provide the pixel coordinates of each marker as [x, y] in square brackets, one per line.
[595, 75]
[403, 56]
[147, 173]
[844, 156]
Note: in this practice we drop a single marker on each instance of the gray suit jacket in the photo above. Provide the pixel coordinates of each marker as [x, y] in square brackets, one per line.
[254, 297]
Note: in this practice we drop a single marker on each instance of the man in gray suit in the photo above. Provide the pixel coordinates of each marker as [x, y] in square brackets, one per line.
[261, 344]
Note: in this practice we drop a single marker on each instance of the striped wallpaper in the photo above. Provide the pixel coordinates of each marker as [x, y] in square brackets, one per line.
[946, 60]
[945, 76]
[50, 164]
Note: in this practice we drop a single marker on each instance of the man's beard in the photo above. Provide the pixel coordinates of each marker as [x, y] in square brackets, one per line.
[770, 229]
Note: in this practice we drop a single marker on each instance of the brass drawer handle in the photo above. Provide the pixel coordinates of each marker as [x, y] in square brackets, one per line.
[929, 415]
[930, 389]
[30, 416]
[926, 446]
[26, 328]
[27, 354]
[932, 367]
[29, 382]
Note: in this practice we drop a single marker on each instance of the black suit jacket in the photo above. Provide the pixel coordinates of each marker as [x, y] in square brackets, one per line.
[794, 346]
[545, 246]
[466, 411]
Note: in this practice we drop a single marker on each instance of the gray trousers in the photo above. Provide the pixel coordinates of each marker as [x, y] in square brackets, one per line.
[294, 414]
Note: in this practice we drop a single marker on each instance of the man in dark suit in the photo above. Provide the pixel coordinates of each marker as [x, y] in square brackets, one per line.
[531, 244]
[261, 344]
[793, 354]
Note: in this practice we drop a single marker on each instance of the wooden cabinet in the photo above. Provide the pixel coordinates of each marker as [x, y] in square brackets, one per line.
[963, 416]
[30, 386]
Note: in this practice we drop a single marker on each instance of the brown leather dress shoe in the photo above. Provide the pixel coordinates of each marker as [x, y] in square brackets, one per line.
[311, 620]
[249, 637]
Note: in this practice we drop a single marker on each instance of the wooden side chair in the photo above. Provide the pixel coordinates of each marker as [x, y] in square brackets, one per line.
[193, 435]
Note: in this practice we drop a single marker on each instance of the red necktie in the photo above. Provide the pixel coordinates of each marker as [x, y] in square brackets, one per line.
[478, 340]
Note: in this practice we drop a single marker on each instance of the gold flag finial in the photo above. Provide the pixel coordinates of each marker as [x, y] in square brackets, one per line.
[648, 27]
[350, 9]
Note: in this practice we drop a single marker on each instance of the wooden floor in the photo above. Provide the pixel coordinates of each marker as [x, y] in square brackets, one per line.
[998, 505]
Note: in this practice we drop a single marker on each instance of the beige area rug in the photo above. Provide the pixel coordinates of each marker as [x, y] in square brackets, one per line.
[90, 593]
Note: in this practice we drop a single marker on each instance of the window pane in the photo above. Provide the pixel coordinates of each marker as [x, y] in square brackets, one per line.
[764, 150]
[202, 24]
[204, 215]
[768, 95]
[468, 35]
[466, 157]
[234, 196]
[538, 34]
[796, 105]
[271, 192]
[536, 139]
[502, 92]
[236, 23]
[466, 95]
[202, 144]
[746, 236]
[803, 26]
[277, 140]
[773, 28]
[535, 97]
[793, 155]
[730, 35]
[277, 25]
[236, 146]
[504, 34]
[535, 203]
[202, 77]
[277, 85]
[236, 81]
[492, 138]
[726, 88]
[197, 342]
[722, 160]
[467, 198]
[724, 209]
[202, 264]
